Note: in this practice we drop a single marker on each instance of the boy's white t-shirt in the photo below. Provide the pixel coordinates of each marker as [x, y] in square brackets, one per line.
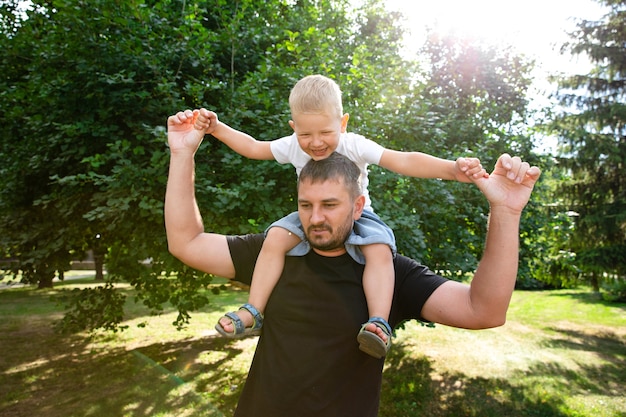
[357, 148]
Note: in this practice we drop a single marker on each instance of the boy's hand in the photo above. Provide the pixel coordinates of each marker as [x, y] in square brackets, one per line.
[181, 134]
[469, 170]
[206, 121]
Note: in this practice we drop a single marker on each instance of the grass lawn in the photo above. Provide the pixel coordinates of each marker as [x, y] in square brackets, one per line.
[561, 353]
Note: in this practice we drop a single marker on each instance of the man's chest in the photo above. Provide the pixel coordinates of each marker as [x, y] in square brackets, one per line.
[315, 291]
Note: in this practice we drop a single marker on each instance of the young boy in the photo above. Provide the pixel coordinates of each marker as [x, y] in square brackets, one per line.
[319, 126]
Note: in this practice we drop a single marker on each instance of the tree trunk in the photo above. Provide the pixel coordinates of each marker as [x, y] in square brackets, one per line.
[595, 282]
[44, 278]
[98, 261]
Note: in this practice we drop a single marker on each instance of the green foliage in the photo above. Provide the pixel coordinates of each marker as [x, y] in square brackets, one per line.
[92, 308]
[614, 289]
[472, 103]
[87, 87]
[592, 136]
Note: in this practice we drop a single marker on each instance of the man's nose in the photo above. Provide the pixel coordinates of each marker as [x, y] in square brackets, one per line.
[317, 215]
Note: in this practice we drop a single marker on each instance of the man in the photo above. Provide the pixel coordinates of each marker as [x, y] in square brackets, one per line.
[306, 362]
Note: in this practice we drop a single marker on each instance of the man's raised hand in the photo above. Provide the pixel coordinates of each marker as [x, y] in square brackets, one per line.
[181, 134]
[510, 184]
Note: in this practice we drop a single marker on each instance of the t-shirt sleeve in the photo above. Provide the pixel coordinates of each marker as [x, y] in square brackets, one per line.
[370, 151]
[415, 283]
[283, 149]
[244, 250]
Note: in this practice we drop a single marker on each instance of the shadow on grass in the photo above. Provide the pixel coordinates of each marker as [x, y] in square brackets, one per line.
[59, 376]
[611, 348]
[46, 373]
[413, 387]
[216, 367]
[587, 297]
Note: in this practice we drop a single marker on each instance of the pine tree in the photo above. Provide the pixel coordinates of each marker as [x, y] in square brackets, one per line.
[592, 138]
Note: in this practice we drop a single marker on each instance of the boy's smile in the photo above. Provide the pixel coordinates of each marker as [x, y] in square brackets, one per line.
[318, 133]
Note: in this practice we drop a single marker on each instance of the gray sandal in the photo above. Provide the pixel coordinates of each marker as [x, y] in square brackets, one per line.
[370, 343]
[239, 330]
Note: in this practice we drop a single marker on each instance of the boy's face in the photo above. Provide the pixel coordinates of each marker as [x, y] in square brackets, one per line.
[318, 133]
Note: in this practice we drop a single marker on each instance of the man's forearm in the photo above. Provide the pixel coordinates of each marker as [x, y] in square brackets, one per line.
[183, 221]
[494, 280]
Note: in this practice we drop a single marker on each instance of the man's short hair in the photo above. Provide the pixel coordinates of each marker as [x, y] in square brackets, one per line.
[336, 167]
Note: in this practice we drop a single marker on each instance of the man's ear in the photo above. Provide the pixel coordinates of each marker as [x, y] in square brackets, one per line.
[344, 122]
[293, 125]
[359, 204]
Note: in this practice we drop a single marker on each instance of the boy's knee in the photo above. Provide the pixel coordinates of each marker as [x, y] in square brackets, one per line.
[379, 251]
[281, 239]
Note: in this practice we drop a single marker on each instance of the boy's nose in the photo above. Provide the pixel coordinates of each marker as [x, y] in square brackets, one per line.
[317, 140]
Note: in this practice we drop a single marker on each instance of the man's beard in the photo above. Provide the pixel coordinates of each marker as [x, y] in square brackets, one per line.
[337, 239]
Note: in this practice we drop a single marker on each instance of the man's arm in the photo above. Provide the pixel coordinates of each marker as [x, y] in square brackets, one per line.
[484, 302]
[240, 142]
[186, 238]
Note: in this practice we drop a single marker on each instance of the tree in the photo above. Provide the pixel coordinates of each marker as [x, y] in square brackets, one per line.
[591, 127]
[86, 88]
[471, 102]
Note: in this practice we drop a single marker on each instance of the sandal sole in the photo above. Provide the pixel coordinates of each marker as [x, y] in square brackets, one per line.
[372, 345]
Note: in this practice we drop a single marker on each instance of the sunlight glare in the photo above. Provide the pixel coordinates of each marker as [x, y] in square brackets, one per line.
[535, 27]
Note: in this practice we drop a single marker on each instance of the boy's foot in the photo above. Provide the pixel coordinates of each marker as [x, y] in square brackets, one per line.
[247, 321]
[375, 337]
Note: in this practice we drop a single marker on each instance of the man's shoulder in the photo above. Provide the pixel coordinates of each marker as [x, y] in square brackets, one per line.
[404, 264]
[244, 250]
[251, 242]
[409, 269]
[415, 283]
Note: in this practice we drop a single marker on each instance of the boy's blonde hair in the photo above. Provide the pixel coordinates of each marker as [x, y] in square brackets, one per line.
[316, 94]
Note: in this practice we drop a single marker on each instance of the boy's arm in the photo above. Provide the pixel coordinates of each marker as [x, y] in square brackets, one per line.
[239, 142]
[186, 238]
[484, 302]
[421, 165]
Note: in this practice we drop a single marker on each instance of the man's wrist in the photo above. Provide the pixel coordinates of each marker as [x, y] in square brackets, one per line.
[183, 153]
[504, 213]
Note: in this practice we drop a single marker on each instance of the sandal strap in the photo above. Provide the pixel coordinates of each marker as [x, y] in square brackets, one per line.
[258, 317]
[237, 323]
[382, 324]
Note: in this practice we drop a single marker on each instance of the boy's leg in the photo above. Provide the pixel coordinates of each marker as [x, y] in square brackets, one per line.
[378, 279]
[267, 271]
[378, 285]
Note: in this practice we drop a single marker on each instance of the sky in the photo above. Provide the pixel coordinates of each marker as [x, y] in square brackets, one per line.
[532, 26]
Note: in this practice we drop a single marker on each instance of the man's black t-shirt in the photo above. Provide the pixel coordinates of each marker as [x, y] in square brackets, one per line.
[307, 362]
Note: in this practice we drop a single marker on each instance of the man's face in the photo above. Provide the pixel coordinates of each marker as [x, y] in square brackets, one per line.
[327, 213]
[318, 133]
